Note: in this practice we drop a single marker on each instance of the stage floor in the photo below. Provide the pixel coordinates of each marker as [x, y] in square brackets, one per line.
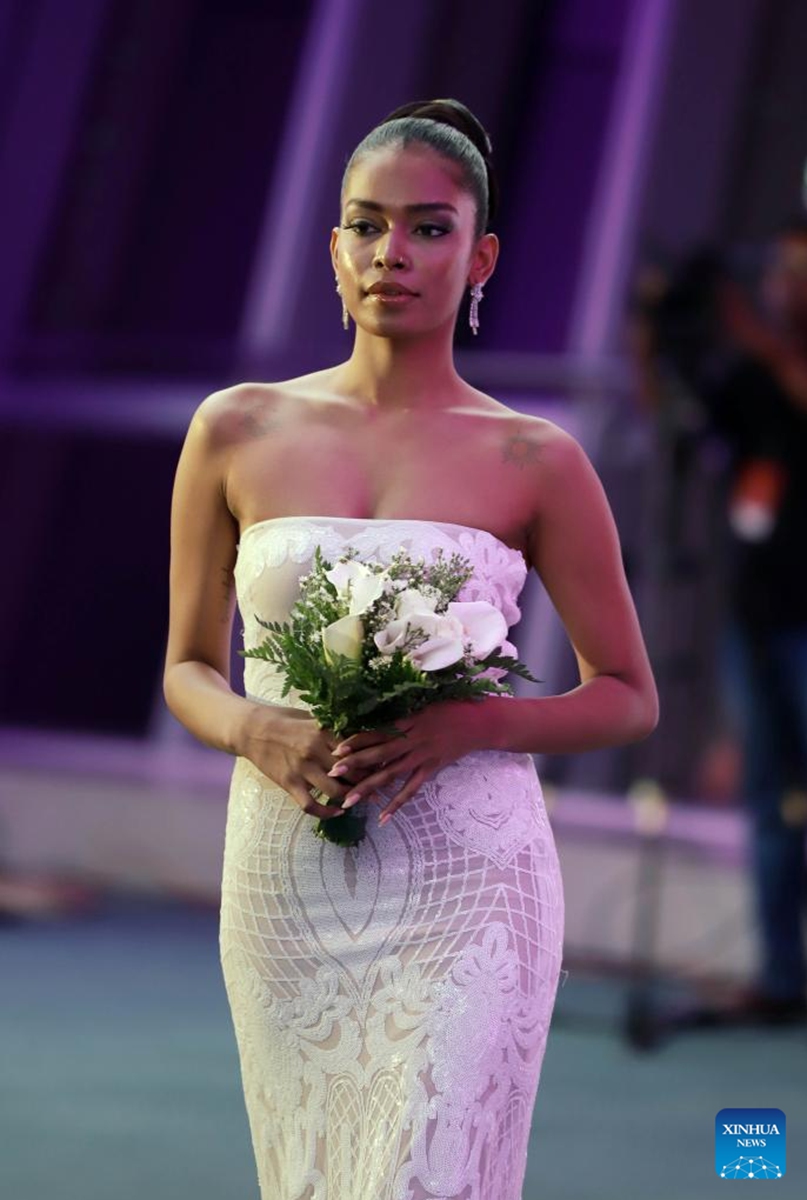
[120, 1075]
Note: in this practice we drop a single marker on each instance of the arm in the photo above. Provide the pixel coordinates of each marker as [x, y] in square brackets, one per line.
[575, 549]
[196, 682]
[574, 546]
[284, 743]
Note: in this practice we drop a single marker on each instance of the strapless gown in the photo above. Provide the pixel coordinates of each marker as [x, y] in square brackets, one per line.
[391, 1002]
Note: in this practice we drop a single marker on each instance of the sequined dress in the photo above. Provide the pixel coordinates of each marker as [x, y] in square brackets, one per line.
[391, 1002]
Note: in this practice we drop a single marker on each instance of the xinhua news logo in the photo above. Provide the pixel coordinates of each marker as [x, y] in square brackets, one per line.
[750, 1143]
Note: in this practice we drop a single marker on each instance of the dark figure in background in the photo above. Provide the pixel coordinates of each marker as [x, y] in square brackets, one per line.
[756, 400]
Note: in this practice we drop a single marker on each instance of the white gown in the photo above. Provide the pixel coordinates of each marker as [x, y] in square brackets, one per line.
[391, 1002]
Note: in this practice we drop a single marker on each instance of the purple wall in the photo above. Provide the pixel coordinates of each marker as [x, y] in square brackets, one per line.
[147, 153]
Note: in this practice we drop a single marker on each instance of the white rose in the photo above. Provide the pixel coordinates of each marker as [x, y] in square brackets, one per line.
[392, 636]
[356, 583]
[344, 637]
[483, 624]
[412, 601]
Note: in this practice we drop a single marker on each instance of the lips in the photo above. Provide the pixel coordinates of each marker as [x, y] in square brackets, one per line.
[389, 289]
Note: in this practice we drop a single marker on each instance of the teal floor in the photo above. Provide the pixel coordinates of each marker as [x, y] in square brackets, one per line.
[119, 1077]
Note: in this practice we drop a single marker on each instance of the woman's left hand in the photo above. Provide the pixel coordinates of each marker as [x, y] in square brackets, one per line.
[434, 737]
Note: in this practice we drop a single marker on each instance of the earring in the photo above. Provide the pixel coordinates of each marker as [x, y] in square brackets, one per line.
[473, 315]
[345, 313]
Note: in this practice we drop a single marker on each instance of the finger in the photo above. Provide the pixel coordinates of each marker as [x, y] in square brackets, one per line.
[300, 793]
[407, 791]
[358, 741]
[352, 778]
[317, 777]
[338, 768]
[369, 759]
[368, 737]
[369, 785]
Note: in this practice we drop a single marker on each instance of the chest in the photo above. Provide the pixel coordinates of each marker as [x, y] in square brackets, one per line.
[386, 470]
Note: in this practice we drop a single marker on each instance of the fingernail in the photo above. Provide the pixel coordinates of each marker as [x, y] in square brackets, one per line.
[385, 816]
[350, 799]
[339, 769]
[342, 748]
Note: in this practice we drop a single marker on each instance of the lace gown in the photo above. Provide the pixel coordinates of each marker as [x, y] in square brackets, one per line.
[391, 1002]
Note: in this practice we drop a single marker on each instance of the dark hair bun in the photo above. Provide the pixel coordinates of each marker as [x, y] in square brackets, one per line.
[459, 117]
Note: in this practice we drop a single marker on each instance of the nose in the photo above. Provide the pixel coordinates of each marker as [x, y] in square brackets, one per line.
[388, 253]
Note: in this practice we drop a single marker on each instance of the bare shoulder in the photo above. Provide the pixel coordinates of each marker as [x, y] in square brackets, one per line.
[249, 411]
[569, 501]
[236, 414]
[529, 443]
[563, 476]
[533, 432]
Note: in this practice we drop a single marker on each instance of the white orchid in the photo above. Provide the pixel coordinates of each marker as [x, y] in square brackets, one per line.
[442, 646]
[485, 626]
[474, 625]
[357, 585]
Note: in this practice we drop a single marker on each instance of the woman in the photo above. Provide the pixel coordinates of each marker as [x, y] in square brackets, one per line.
[391, 1003]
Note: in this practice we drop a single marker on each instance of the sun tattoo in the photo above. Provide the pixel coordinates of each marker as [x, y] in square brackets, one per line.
[521, 450]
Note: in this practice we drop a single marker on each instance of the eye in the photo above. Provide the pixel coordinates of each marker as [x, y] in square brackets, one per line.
[430, 230]
[360, 227]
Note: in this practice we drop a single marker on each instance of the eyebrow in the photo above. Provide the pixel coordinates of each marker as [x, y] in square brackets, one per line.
[410, 208]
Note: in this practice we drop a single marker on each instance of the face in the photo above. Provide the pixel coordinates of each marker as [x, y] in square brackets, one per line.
[407, 227]
[785, 281]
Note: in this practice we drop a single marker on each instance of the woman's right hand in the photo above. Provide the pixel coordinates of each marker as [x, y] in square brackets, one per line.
[288, 746]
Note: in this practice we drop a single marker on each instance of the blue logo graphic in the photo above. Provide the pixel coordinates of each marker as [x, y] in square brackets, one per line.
[750, 1143]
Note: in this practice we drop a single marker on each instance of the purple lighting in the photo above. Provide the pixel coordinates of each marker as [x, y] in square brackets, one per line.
[611, 228]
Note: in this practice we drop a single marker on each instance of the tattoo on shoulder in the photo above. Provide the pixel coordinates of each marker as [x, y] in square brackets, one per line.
[521, 449]
[256, 420]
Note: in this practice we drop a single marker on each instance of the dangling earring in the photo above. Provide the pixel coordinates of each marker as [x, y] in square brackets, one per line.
[473, 315]
[345, 313]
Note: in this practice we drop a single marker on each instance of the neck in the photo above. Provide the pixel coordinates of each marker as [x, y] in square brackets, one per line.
[401, 373]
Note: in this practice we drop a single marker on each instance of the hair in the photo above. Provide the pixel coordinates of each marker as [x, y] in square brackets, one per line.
[452, 130]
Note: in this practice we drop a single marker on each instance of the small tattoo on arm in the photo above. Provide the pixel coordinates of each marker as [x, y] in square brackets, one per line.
[520, 450]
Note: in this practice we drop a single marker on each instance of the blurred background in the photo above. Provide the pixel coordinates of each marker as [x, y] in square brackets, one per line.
[170, 174]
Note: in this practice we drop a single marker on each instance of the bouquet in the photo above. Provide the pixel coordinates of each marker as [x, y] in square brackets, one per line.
[368, 643]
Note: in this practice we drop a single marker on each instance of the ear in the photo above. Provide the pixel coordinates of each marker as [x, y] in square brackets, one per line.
[335, 247]
[483, 259]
